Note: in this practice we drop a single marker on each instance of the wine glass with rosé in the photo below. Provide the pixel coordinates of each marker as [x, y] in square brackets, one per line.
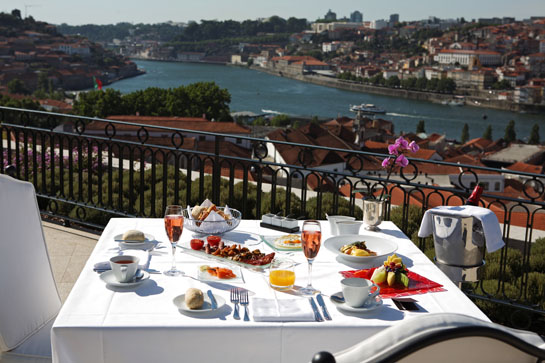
[312, 239]
[174, 225]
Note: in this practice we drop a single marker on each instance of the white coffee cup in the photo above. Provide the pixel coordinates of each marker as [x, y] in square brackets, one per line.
[124, 267]
[357, 292]
[333, 223]
[349, 227]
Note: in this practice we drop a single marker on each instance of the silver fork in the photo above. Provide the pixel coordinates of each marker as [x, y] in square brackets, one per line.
[235, 300]
[244, 302]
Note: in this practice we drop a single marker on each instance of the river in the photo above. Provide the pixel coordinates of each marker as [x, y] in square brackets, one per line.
[256, 91]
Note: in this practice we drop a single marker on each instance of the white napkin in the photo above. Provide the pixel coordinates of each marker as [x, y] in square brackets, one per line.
[282, 310]
[213, 216]
[491, 226]
[207, 203]
[227, 211]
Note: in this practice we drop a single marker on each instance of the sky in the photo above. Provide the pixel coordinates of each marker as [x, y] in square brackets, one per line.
[77, 12]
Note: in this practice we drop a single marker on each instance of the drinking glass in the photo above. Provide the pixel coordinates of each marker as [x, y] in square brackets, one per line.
[311, 240]
[282, 274]
[174, 225]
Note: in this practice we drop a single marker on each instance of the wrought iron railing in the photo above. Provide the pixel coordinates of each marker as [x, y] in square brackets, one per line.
[94, 169]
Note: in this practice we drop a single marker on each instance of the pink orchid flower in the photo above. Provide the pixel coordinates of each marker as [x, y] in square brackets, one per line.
[402, 160]
[413, 146]
[402, 142]
[393, 149]
[386, 162]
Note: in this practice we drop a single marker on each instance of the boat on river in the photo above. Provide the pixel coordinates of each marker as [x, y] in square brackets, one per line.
[367, 108]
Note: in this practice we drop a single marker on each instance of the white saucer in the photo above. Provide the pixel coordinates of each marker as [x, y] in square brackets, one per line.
[109, 278]
[130, 243]
[179, 301]
[368, 307]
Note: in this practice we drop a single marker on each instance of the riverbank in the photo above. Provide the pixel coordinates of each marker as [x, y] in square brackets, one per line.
[471, 100]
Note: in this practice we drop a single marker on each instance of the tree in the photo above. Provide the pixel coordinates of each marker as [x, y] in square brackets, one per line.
[260, 121]
[17, 86]
[534, 135]
[488, 133]
[421, 83]
[465, 134]
[16, 13]
[420, 127]
[393, 82]
[510, 134]
[280, 120]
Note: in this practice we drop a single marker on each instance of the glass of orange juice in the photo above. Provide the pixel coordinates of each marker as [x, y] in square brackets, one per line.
[282, 274]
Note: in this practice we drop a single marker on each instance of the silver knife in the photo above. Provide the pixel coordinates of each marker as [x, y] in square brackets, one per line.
[317, 315]
[212, 300]
[321, 302]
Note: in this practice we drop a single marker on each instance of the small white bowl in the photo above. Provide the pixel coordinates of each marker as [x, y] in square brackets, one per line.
[289, 223]
[267, 218]
[277, 221]
[333, 220]
[349, 227]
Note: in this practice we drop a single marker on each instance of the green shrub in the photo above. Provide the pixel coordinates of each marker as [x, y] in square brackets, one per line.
[329, 207]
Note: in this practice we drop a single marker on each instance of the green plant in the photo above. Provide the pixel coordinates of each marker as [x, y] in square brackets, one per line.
[328, 206]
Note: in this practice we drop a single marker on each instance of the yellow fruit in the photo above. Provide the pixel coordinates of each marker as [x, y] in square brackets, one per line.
[391, 278]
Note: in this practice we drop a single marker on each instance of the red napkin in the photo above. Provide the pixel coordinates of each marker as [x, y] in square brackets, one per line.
[417, 284]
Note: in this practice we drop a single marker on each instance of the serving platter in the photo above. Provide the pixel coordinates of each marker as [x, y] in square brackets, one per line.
[204, 255]
[382, 246]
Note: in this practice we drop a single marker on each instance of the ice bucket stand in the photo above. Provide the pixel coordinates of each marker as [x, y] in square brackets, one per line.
[459, 247]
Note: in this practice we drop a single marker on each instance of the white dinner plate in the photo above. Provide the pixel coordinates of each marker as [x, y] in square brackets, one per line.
[382, 246]
[179, 301]
[109, 278]
[368, 307]
[129, 243]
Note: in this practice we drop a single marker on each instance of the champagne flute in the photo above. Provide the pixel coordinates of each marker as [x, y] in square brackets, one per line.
[311, 238]
[174, 225]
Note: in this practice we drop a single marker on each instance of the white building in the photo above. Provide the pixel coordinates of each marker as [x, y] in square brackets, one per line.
[379, 24]
[73, 49]
[330, 46]
[467, 57]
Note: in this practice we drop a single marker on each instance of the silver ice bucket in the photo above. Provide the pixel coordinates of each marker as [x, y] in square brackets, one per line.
[459, 241]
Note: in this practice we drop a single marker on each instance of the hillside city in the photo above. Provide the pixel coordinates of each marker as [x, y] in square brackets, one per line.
[501, 54]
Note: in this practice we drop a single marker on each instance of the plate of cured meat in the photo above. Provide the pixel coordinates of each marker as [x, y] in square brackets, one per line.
[226, 251]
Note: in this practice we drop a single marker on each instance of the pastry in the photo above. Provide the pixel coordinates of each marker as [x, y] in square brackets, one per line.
[194, 298]
[134, 235]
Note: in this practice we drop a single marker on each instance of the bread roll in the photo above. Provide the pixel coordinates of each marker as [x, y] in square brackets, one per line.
[196, 211]
[134, 235]
[194, 298]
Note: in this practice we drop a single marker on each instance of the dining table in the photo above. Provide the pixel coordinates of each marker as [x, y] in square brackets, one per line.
[101, 323]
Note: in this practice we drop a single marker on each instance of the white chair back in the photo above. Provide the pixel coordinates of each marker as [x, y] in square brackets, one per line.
[29, 298]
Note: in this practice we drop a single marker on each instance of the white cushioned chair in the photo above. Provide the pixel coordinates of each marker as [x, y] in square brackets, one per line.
[444, 338]
[29, 300]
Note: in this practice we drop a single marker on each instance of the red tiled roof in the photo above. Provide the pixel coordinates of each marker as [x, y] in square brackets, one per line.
[425, 154]
[189, 123]
[526, 168]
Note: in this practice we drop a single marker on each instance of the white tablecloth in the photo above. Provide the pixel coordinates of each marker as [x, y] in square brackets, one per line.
[102, 324]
